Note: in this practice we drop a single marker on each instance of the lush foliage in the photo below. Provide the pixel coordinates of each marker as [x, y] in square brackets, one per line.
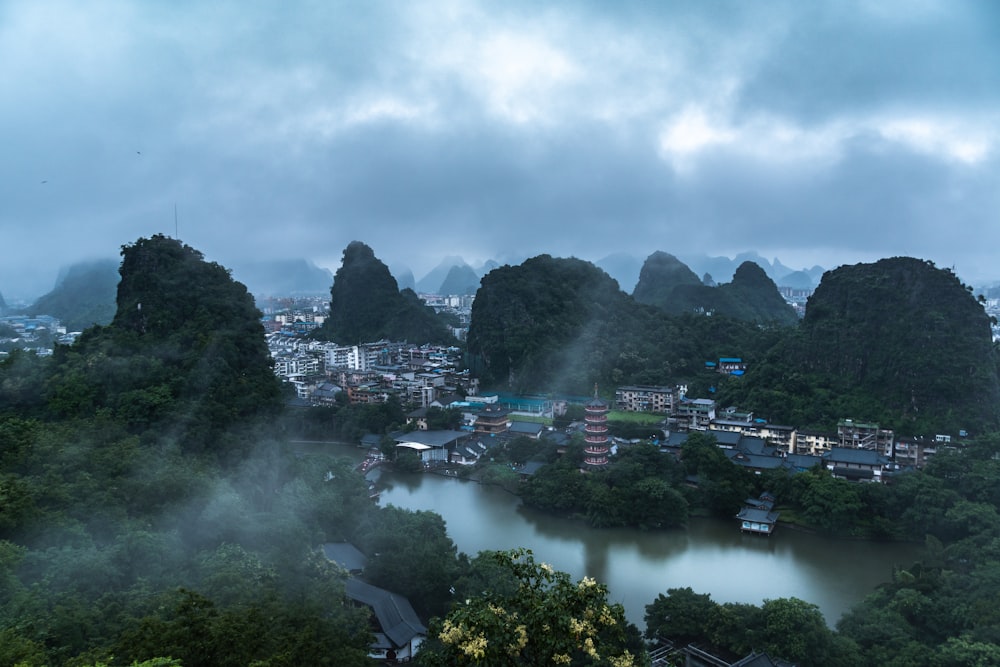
[941, 610]
[898, 342]
[788, 628]
[547, 620]
[366, 305]
[344, 422]
[116, 548]
[145, 511]
[640, 488]
[722, 485]
[411, 554]
[151, 514]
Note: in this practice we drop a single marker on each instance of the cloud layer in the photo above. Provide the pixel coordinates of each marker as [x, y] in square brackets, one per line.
[822, 133]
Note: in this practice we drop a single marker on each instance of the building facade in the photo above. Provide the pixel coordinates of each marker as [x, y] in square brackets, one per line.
[642, 398]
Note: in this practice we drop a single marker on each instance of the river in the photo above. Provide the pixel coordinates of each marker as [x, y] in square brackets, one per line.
[710, 556]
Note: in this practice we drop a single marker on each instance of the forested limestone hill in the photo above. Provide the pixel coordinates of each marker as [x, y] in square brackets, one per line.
[668, 283]
[555, 324]
[366, 304]
[185, 349]
[898, 341]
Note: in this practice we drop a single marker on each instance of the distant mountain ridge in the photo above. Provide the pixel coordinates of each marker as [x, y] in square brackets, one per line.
[283, 277]
[626, 268]
[431, 283]
[452, 275]
[461, 279]
[668, 283]
[84, 295]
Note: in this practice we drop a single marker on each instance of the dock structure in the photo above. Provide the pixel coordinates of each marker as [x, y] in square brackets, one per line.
[758, 516]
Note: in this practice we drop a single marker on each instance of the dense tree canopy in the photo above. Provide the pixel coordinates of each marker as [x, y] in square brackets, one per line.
[547, 620]
[152, 514]
[640, 488]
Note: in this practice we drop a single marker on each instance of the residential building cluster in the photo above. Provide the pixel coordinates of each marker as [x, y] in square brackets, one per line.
[806, 447]
[36, 333]
[368, 372]
[856, 450]
[458, 305]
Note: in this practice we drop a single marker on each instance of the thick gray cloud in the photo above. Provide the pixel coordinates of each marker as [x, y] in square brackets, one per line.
[821, 133]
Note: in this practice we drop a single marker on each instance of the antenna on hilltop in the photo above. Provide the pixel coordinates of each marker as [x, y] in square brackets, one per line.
[176, 236]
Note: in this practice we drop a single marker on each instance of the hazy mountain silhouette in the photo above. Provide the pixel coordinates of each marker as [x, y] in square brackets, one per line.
[283, 277]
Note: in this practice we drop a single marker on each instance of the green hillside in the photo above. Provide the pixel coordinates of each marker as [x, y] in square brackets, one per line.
[898, 342]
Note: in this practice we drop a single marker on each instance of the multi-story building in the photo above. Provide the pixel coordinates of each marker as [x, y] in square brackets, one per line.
[296, 363]
[860, 435]
[492, 420]
[782, 437]
[913, 451]
[693, 414]
[815, 443]
[643, 398]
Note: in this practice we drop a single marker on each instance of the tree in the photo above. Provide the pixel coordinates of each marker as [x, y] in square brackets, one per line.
[548, 620]
[680, 615]
[795, 630]
[410, 553]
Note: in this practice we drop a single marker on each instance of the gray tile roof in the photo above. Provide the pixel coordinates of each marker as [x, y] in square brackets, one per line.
[430, 438]
[856, 456]
[394, 613]
[345, 555]
[526, 428]
[757, 516]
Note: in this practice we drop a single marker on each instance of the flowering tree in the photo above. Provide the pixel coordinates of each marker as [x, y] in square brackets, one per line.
[548, 620]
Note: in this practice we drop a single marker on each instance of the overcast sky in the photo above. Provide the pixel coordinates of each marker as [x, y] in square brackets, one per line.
[815, 132]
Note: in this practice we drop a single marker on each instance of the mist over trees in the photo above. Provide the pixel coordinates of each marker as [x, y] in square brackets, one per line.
[151, 507]
[898, 342]
[152, 512]
[554, 324]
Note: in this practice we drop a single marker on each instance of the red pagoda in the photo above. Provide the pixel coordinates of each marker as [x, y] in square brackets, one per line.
[596, 433]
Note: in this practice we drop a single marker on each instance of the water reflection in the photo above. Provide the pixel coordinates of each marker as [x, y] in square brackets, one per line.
[711, 556]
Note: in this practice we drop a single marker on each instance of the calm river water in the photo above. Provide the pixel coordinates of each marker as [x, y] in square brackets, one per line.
[710, 556]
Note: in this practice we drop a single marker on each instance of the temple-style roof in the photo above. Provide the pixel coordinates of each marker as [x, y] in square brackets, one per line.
[394, 613]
